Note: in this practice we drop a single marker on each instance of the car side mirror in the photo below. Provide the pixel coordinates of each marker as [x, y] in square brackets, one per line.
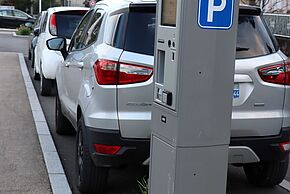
[36, 32]
[57, 44]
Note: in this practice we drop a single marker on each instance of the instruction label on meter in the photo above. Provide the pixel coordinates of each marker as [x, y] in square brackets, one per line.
[216, 14]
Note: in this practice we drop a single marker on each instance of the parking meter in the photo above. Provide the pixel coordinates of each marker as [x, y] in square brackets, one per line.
[193, 89]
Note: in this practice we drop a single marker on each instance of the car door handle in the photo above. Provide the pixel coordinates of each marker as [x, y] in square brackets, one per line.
[80, 64]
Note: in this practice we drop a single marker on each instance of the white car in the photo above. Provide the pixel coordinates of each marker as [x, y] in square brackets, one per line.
[58, 21]
[105, 88]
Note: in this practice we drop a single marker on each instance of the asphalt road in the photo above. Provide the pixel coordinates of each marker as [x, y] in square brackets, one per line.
[124, 181]
[8, 43]
[121, 181]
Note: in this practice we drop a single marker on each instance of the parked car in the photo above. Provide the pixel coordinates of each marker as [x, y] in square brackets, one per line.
[105, 92]
[57, 21]
[36, 30]
[13, 18]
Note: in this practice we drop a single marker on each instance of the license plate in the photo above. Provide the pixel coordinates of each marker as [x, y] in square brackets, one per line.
[236, 92]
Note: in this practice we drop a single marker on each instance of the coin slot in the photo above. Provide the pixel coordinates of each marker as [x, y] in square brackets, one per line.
[169, 43]
[160, 66]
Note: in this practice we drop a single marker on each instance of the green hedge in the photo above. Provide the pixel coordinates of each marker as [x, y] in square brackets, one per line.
[23, 30]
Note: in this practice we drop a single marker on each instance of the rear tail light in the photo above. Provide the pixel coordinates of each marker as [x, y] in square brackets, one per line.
[277, 74]
[107, 149]
[285, 146]
[113, 73]
[52, 24]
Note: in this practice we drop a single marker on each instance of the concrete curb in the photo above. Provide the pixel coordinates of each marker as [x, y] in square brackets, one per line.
[6, 33]
[20, 36]
[15, 35]
[57, 177]
[7, 30]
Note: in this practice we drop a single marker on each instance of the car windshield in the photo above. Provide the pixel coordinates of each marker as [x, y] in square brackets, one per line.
[67, 22]
[253, 38]
[20, 14]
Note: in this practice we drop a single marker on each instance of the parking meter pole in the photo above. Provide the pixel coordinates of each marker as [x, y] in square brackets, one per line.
[193, 88]
[39, 9]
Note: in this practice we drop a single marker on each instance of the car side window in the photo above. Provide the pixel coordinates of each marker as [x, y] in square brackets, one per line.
[76, 42]
[93, 29]
[19, 14]
[6, 13]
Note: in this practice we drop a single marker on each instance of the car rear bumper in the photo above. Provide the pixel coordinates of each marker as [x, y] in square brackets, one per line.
[265, 148]
[136, 151]
[133, 151]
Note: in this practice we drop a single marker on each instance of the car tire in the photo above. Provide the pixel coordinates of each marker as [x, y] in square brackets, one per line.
[29, 54]
[32, 59]
[36, 75]
[62, 124]
[267, 174]
[45, 85]
[91, 179]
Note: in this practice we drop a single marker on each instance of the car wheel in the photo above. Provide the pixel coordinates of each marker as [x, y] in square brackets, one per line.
[62, 124]
[45, 85]
[91, 179]
[36, 75]
[267, 174]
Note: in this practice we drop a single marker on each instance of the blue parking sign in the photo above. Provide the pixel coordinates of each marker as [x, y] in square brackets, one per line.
[216, 14]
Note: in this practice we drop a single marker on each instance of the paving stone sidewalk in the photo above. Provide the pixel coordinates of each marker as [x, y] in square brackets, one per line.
[22, 167]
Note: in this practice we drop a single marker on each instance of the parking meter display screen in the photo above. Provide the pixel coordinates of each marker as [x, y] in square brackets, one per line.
[168, 17]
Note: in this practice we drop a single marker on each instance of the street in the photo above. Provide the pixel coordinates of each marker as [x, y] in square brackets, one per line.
[121, 181]
[124, 181]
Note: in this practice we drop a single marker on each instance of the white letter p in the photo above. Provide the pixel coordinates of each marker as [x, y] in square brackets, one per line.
[212, 8]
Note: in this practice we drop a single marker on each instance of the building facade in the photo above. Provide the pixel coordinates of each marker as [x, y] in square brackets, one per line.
[271, 6]
[86, 3]
[73, 3]
[277, 6]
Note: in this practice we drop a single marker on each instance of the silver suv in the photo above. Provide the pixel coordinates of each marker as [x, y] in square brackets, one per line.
[105, 91]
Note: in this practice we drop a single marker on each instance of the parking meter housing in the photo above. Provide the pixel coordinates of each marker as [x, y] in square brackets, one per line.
[191, 117]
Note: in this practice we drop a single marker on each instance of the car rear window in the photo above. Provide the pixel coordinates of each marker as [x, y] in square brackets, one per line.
[140, 33]
[67, 22]
[139, 28]
[253, 38]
